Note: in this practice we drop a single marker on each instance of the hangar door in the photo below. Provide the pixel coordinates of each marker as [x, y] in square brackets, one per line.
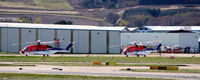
[64, 37]
[81, 41]
[98, 41]
[27, 35]
[114, 42]
[9, 37]
[46, 35]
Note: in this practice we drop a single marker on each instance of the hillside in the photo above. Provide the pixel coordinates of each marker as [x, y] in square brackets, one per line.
[37, 4]
[131, 3]
[132, 13]
[45, 11]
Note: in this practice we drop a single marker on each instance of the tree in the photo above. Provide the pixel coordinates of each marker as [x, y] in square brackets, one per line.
[121, 22]
[138, 20]
[112, 18]
[155, 12]
[18, 20]
[38, 20]
[26, 19]
[64, 22]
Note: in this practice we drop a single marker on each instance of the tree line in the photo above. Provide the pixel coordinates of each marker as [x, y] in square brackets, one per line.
[129, 3]
[168, 2]
[138, 17]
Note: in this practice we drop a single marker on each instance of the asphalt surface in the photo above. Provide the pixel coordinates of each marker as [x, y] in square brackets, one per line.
[102, 70]
[112, 55]
[97, 71]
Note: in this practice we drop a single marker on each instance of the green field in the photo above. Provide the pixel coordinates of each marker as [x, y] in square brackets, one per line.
[16, 65]
[161, 60]
[83, 64]
[38, 4]
[53, 4]
[13, 76]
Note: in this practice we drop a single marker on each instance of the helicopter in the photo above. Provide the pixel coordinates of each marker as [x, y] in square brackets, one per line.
[40, 49]
[139, 49]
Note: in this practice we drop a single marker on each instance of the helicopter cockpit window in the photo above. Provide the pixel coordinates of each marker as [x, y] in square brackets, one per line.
[27, 49]
[49, 46]
[128, 50]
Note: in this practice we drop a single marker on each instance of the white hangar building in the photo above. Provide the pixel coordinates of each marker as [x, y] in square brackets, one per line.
[184, 36]
[86, 39]
[167, 39]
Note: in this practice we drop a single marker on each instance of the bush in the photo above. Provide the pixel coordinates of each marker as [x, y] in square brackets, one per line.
[64, 22]
[26, 19]
[141, 11]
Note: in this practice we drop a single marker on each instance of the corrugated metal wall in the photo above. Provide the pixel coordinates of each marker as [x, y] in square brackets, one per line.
[81, 41]
[4, 40]
[9, 37]
[189, 39]
[114, 42]
[167, 39]
[46, 35]
[64, 37]
[27, 35]
[98, 42]
[85, 41]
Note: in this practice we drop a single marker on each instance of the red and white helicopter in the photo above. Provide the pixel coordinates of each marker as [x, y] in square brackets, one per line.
[139, 49]
[39, 49]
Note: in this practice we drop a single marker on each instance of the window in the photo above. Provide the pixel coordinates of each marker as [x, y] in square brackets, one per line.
[128, 50]
[27, 49]
[29, 31]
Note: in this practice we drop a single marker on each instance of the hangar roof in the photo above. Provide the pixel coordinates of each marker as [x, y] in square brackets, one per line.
[170, 28]
[55, 26]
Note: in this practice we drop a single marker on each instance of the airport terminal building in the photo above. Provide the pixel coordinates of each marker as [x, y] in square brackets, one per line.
[87, 39]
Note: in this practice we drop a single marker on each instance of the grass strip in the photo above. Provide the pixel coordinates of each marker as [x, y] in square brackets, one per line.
[91, 64]
[17, 65]
[158, 60]
[59, 14]
[15, 76]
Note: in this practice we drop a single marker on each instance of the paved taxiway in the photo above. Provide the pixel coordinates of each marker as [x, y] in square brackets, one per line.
[111, 55]
[97, 71]
[102, 70]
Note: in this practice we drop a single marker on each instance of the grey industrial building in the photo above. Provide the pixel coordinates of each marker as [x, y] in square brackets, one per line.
[86, 39]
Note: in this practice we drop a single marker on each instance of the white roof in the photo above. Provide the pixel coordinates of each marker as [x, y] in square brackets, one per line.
[170, 28]
[132, 29]
[55, 26]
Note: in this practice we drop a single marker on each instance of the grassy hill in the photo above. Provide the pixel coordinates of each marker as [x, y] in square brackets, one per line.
[131, 3]
[53, 4]
[49, 11]
[38, 4]
[131, 13]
